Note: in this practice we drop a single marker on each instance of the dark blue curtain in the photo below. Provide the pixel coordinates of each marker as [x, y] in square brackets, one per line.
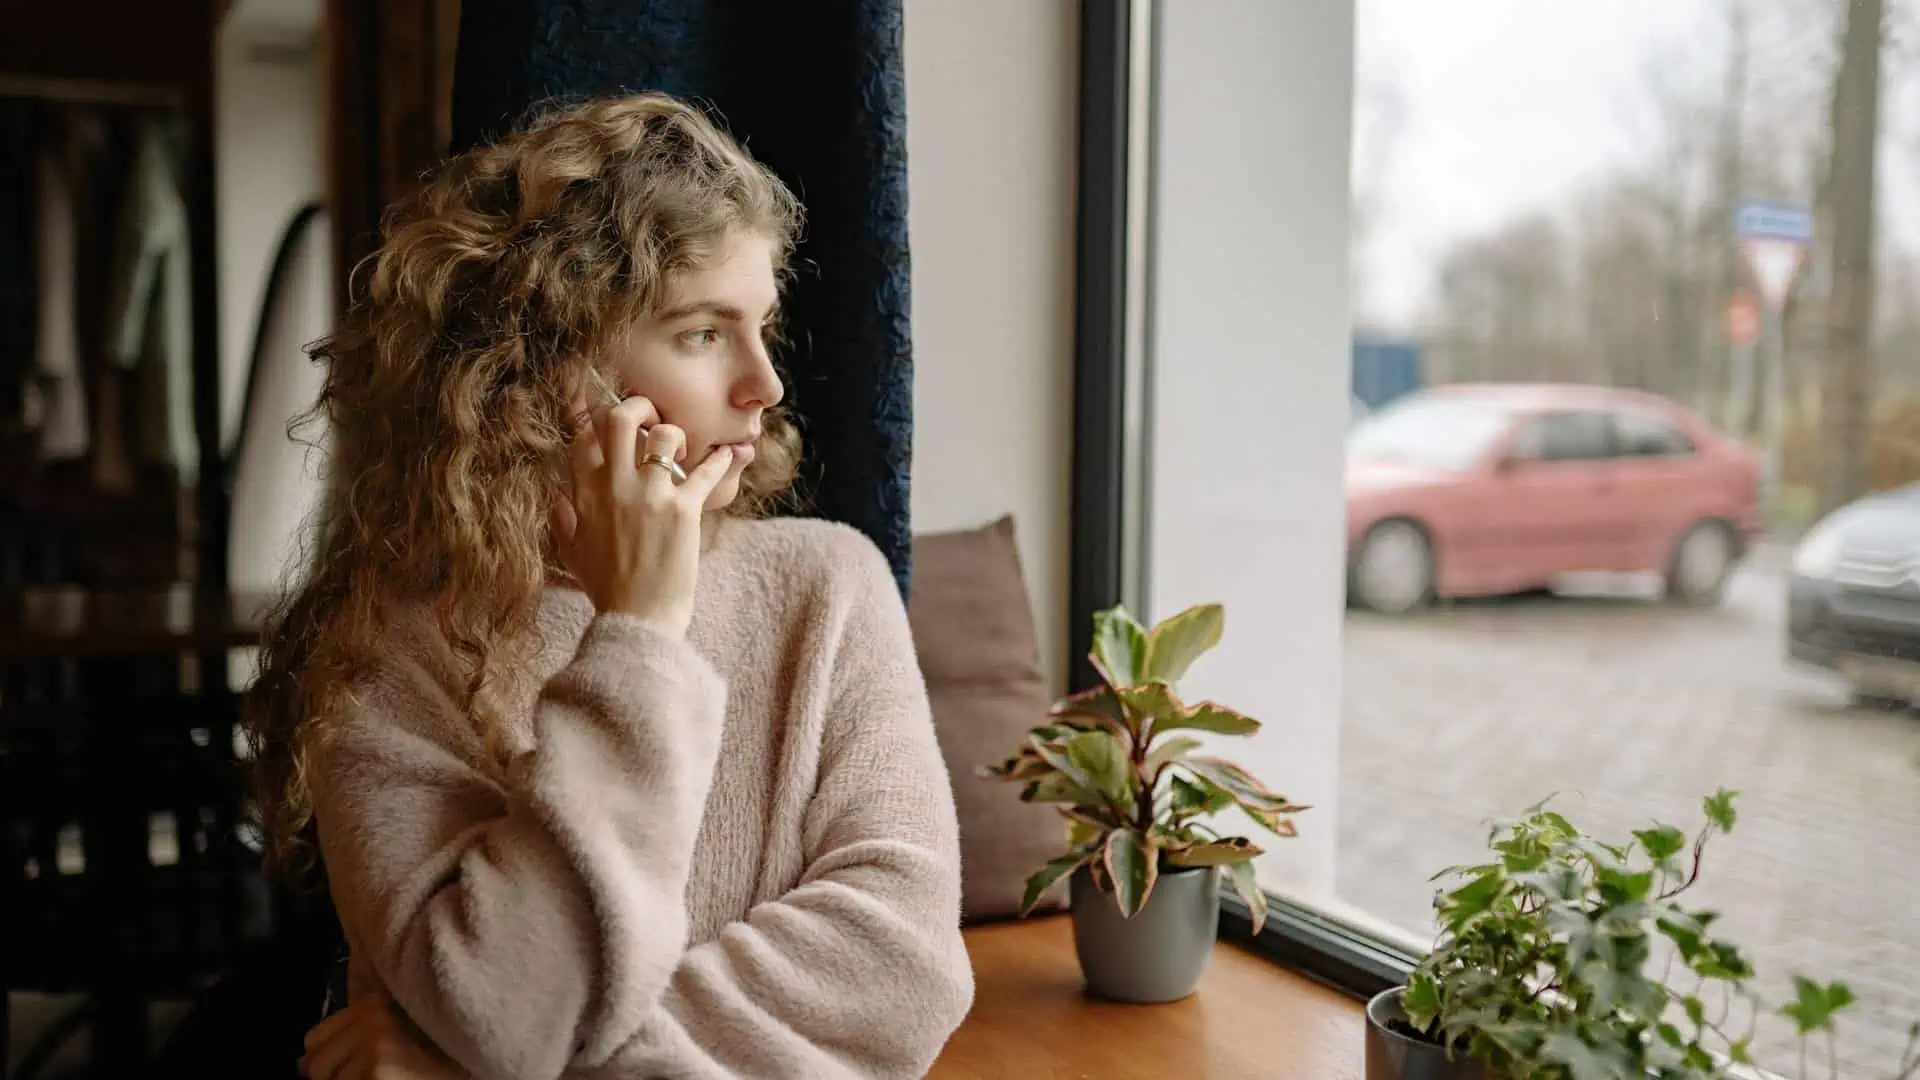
[816, 89]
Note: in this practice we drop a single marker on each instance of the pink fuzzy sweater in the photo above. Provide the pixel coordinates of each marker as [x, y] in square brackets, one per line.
[733, 855]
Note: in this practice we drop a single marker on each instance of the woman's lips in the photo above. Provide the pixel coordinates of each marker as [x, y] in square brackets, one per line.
[743, 453]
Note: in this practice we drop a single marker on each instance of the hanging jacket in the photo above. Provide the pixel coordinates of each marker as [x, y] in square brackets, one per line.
[57, 351]
[150, 311]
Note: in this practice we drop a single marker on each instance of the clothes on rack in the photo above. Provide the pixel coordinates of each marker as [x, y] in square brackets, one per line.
[96, 291]
[66, 163]
[18, 170]
[150, 307]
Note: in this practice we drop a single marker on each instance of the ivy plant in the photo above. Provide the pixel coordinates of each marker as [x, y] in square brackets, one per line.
[1565, 957]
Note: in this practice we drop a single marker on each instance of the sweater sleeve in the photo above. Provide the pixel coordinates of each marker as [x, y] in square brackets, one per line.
[528, 925]
[860, 969]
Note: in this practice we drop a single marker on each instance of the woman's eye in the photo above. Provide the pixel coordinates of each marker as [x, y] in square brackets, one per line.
[701, 338]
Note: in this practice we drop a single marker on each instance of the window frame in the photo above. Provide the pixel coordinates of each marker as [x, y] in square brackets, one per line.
[1111, 315]
[1669, 425]
[1544, 418]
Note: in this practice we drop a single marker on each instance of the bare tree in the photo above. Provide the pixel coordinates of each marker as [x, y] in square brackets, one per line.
[1854, 122]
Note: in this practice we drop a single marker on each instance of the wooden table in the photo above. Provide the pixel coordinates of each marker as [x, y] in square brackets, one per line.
[1033, 1020]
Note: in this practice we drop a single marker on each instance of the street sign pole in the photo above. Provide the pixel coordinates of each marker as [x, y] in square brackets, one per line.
[1774, 237]
[1744, 329]
[1773, 416]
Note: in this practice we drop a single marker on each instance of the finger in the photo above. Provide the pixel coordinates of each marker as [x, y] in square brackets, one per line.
[668, 441]
[584, 456]
[620, 429]
[326, 1030]
[707, 475]
[565, 521]
[328, 1059]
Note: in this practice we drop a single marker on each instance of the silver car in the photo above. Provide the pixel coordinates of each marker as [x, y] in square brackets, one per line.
[1854, 600]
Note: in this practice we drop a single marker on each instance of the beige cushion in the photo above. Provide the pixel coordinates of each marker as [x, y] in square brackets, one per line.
[973, 628]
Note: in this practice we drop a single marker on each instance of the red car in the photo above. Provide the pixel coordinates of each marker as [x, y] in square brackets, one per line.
[1478, 490]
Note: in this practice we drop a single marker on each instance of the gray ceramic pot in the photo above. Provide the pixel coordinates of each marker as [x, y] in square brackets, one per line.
[1393, 1056]
[1160, 953]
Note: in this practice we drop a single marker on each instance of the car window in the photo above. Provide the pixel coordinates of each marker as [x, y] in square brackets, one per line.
[1565, 436]
[1640, 434]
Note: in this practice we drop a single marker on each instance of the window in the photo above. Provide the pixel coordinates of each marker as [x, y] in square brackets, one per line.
[1561, 196]
[1566, 436]
[1641, 434]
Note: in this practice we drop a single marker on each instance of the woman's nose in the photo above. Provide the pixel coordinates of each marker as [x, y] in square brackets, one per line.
[760, 387]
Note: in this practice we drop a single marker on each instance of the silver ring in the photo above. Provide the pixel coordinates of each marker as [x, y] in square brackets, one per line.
[673, 467]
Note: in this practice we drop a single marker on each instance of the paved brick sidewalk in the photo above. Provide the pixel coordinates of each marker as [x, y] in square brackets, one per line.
[1634, 710]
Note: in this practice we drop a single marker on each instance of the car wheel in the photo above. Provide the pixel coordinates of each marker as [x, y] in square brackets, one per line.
[1702, 561]
[1392, 571]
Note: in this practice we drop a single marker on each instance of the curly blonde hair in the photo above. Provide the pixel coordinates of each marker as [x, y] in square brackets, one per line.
[496, 287]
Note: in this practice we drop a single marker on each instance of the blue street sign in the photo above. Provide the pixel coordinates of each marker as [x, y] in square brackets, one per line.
[1759, 220]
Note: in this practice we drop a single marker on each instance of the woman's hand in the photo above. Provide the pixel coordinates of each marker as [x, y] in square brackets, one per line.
[628, 533]
[373, 1040]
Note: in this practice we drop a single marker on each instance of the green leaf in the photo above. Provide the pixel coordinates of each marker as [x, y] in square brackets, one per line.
[1617, 887]
[1133, 864]
[1119, 648]
[1696, 1010]
[1180, 639]
[1099, 755]
[1272, 822]
[1207, 716]
[1719, 809]
[1240, 784]
[1083, 830]
[1172, 750]
[1054, 753]
[1097, 704]
[1058, 788]
[1815, 1004]
[1191, 798]
[1232, 849]
[1556, 826]
[1042, 879]
[1474, 898]
[1722, 960]
[1421, 1000]
[1248, 886]
[1022, 766]
[1688, 934]
[1585, 1062]
[1151, 702]
[1555, 882]
[1662, 842]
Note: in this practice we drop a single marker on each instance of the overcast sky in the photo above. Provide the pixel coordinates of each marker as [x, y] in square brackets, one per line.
[1472, 112]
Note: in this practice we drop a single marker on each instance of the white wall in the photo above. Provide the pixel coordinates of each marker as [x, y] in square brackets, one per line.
[1249, 347]
[992, 104]
[270, 117]
[269, 125]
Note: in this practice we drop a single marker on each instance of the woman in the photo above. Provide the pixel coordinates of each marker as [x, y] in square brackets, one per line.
[608, 779]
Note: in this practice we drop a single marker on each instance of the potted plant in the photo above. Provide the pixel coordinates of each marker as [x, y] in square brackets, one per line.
[1556, 961]
[1121, 764]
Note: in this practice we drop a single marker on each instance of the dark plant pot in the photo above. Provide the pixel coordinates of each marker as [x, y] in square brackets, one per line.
[1395, 1055]
[1160, 953]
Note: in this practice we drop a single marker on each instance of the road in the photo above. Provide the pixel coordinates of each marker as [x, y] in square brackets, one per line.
[1633, 710]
